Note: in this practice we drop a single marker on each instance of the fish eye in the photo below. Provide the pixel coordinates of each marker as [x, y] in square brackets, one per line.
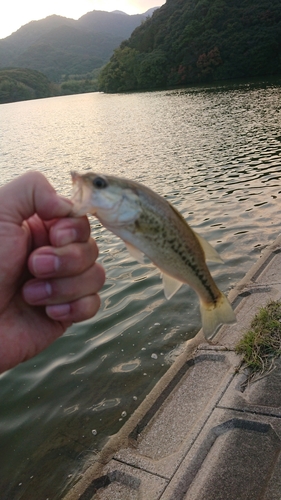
[99, 182]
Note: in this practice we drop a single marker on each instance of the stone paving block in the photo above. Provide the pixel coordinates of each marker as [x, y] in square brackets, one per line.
[236, 457]
[121, 482]
[267, 272]
[273, 490]
[264, 270]
[165, 438]
[260, 396]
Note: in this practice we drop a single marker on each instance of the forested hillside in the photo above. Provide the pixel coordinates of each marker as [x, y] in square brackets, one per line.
[24, 84]
[61, 48]
[189, 41]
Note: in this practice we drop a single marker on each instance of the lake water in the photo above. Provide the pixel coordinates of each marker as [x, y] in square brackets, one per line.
[214, 152]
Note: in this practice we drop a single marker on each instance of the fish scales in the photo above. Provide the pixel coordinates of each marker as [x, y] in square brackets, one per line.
[172, 237]
[149, 225]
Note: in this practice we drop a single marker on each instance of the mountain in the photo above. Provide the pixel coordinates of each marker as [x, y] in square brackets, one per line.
[116, 24]
[190, 41]
[118, 12]
[58, 46]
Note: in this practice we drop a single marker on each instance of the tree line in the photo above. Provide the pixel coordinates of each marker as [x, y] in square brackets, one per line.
[193, 41]
[18, 84]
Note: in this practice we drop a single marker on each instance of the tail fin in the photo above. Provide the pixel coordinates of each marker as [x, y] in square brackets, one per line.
[214, 315]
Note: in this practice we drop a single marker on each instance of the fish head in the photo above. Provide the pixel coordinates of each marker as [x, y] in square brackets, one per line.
[111, 199]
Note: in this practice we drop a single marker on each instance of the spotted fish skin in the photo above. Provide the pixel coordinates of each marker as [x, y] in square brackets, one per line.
[149, 225]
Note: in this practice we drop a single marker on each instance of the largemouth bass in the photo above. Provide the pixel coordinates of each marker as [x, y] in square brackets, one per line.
[149, 225]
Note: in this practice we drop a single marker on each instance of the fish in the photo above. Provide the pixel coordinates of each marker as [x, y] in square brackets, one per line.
[151, 226]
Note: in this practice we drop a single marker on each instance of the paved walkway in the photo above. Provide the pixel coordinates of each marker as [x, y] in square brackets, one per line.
[200, 434]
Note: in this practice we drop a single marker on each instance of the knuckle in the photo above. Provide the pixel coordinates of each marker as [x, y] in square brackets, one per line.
[93, 248]
[100, 274]
[78, 255]
[72, 259]
[85, 308]
[35, 176]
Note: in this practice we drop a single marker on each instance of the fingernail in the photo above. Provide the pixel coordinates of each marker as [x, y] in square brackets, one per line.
[36, 292]
[65, 236]
[58, 311]
[45, 264]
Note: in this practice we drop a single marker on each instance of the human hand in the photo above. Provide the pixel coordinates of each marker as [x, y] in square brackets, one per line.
[48, 275]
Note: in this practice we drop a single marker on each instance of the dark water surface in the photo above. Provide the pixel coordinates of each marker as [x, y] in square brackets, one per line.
[214, 152]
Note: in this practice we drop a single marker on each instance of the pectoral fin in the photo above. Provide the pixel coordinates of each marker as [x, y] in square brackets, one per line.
[171, 285]
[135, 253]
[210, 253]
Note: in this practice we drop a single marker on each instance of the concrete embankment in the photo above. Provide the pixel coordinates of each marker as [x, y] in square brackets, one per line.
[202, 434]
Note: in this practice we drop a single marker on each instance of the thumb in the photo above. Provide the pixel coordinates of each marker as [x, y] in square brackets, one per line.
[29, 194]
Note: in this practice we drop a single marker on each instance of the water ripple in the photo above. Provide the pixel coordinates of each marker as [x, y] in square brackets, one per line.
[214, 152]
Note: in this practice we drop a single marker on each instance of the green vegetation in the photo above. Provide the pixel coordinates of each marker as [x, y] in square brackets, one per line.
[78, 86]
[24, 84]
[191, 41]
[262, 343]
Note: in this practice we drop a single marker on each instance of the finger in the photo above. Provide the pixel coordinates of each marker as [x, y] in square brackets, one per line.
[58, 232]
[38, 231]
[69, 230]
[29, 194]
[69, 260]
[64, 290]
[78, 310]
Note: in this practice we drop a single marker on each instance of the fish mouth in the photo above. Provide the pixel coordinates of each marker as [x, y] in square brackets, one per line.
[81, 196]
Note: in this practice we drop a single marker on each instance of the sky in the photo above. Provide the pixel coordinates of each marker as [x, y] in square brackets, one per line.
[16, 13]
